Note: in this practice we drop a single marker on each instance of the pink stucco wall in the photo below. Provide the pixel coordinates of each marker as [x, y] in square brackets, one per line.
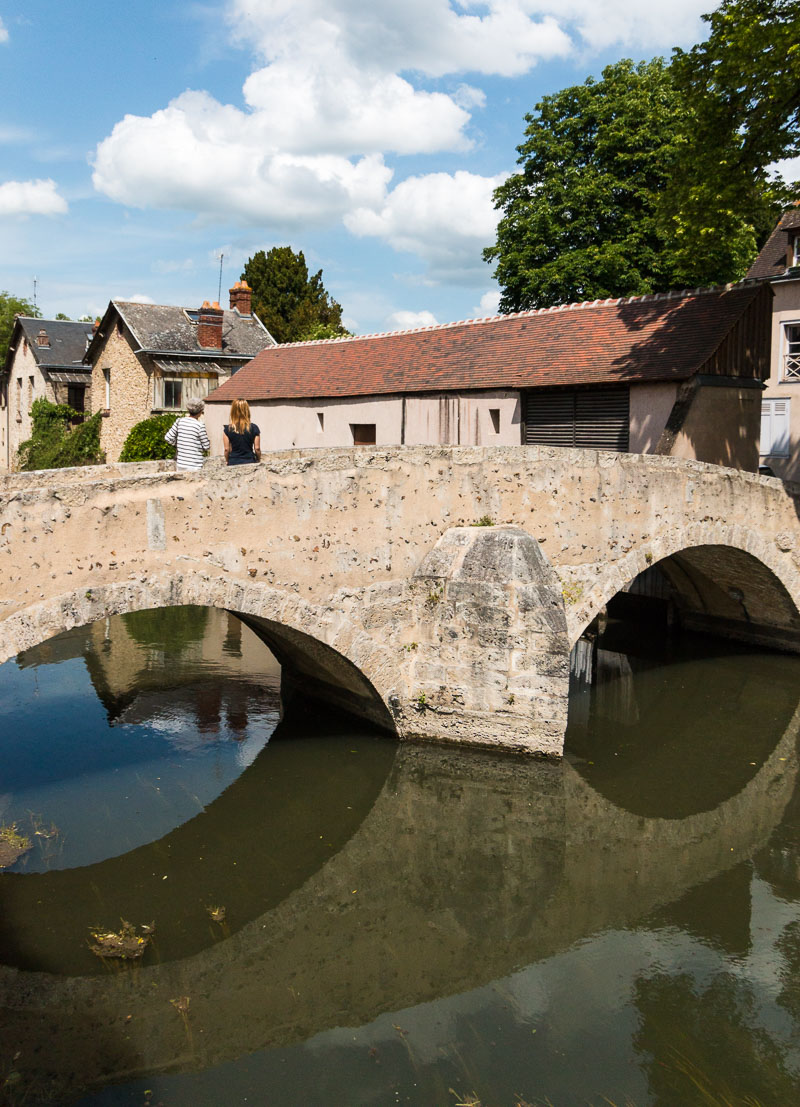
[411, 420]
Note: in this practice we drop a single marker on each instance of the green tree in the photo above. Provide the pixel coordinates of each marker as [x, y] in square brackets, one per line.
[290, 304]
[145, 442]
[10, 307]
[743, 85]
[579, 221]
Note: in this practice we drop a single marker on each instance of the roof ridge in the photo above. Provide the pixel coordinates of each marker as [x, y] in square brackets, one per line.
[579, 305]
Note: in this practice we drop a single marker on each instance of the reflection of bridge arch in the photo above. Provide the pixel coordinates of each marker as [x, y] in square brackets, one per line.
[372, 930]
[730, 580]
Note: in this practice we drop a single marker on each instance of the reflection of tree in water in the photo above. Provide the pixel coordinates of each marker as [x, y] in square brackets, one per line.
[170, 629]
[700, 1044]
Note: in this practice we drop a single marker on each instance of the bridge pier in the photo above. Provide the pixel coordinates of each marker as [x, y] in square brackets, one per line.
[489, 661]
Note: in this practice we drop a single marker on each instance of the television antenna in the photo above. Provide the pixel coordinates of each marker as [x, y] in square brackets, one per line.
[219, 289]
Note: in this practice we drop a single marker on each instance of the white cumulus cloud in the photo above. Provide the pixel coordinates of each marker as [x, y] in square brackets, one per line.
[40, 197]
[3, 32]
[489, 304]
[339, 86]
[410, 320]
[444, 218]
[202, 156]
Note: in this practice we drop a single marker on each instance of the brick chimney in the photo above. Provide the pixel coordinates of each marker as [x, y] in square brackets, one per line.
[42, 338]
[209, 326]
[241, 298]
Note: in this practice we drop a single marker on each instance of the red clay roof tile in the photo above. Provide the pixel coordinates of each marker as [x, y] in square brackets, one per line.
[663, 337]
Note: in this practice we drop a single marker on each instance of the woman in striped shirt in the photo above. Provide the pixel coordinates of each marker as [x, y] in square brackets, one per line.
[189, 435]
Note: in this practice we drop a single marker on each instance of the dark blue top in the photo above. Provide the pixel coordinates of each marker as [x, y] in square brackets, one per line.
[241, 444]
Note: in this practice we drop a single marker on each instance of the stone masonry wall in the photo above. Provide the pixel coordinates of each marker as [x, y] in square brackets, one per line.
[131, 391]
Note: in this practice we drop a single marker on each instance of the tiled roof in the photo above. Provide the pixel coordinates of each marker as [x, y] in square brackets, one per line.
[67, 340]
[167, 329]
[771, 261]
[649, 338]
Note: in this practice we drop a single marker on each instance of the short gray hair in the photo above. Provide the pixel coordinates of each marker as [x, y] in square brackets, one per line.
[195, 407]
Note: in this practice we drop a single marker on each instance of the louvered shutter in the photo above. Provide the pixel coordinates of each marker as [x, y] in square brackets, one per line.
[774, 428]
[592, 419]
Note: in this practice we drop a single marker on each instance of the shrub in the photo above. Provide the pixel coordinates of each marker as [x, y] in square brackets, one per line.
[146, 440]
[53, 444]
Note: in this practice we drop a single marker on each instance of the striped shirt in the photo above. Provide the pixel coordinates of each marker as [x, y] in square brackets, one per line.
[190, 438]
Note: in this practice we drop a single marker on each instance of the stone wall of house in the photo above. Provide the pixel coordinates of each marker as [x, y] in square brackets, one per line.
[26, 383]
[130, 391]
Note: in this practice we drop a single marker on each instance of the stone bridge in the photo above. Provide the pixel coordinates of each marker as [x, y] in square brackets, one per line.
[433, 591]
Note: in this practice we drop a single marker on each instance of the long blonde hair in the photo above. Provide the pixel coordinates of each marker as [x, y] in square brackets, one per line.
[240, 416]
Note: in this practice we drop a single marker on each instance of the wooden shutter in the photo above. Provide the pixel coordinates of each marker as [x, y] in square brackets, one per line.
[775, 438]
[589, 418]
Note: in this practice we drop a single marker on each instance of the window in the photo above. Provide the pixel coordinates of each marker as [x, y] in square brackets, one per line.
[107, 379]
[173, 392]
[791, 351]
[30, 393]
[75, 397]
[363, 434]
[795, 251]
[494, 415]
[774, 428]
[320, 421]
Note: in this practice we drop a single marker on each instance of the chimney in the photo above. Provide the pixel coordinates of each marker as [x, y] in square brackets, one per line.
[209, 326]
[42, 338]
[241, 298]
[96, 326]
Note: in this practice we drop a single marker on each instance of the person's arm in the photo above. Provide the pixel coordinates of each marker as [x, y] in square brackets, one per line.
[257, 447]
[204, 442]
[226, 445]
[172, 434]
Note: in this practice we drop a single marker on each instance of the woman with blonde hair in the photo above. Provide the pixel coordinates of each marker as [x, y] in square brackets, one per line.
[240, 437]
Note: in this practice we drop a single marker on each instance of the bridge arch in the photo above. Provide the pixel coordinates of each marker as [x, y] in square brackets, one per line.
[312, 643]
[727, 580]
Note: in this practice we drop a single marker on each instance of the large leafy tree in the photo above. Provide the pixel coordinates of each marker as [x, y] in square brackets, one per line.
[292, 305]
[11, 306]
[579, 221]
[655, 177]
[743, 87]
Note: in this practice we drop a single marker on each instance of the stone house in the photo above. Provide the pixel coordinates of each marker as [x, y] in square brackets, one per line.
[148, 359]
[679, 374]
[44, 360]
[779, 263]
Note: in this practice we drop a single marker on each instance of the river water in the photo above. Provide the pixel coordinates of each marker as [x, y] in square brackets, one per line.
[335, 919]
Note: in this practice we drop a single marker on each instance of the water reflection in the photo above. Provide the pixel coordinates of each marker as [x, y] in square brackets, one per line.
[407, 920]
[117, 732]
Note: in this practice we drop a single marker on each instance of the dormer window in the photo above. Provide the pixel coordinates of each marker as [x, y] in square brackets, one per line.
[794, 252]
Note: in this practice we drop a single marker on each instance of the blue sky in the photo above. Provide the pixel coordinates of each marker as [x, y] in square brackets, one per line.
[139, 141]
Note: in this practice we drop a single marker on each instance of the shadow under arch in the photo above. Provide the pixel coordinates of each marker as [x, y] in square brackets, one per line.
[731, 588]
[316, 679]
[310, 641]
